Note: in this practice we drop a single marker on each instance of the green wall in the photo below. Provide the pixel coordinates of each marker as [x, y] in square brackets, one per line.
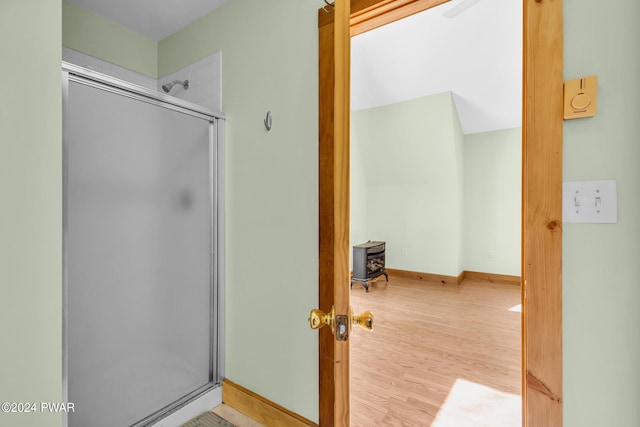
[269, 62]
[601, 268]
[492, 201]
[102, 38]
[408, 159]
[31, 206]
[418, 183]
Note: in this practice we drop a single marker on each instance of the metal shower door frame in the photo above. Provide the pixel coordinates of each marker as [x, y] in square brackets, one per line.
[216, 121]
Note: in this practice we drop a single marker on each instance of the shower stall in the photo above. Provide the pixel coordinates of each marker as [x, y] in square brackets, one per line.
[142, 303]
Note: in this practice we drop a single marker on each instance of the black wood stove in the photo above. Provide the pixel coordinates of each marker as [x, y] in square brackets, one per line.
[368, 263]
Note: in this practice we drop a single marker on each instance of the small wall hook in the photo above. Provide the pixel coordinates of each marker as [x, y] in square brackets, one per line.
[268, 121]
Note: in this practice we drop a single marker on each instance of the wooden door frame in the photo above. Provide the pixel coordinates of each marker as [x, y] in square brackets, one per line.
[541, 256]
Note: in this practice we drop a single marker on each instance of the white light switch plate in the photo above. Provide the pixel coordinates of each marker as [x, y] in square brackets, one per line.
[590, 202]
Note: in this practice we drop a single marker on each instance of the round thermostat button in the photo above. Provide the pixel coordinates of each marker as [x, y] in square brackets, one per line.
[581, 101]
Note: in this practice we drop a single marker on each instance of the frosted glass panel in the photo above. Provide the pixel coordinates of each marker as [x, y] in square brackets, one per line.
[139, 259]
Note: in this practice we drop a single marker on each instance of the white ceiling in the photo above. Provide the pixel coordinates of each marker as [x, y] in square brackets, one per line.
[476, 55]
[155, 19]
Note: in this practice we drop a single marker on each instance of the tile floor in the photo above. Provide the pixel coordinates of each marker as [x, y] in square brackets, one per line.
[234, 417]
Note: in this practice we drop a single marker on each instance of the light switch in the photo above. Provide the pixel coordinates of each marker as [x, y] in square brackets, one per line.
[590, 202]
[580, 97]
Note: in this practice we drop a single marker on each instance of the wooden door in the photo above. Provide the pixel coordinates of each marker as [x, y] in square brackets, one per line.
[334, 60]
[541, 198]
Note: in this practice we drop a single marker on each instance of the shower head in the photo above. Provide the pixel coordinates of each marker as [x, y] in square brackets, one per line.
[167, 87]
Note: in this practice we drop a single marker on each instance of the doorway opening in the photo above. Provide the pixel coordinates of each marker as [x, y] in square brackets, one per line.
[541, 199]
[435, 172]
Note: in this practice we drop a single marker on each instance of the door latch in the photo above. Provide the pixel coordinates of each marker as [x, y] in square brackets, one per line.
[342, 328]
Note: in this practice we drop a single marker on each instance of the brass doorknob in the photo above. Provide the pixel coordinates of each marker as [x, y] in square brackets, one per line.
[364, 320]
[318, 319]
[344, 323]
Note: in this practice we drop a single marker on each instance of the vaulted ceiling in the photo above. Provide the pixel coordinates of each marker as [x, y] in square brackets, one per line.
[476, 55]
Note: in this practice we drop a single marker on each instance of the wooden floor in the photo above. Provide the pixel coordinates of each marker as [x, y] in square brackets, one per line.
[439, 355]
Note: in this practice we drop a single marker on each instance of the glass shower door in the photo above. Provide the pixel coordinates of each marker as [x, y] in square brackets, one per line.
[139, 208]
